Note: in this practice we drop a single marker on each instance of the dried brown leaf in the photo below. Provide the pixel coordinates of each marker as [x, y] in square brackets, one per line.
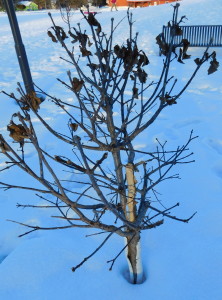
[92, 20]
[142, 75]
[162, 44]
[60, 33]
[168, 99]
[197, 61]
[50, 34]
[180, 56]
[17, 132]
[98, 29]
[77, 84]
[143, 60]
[135, 93]
[214, 64]
[178, 30]
[34, 101]
[74, 126]
[85, 52]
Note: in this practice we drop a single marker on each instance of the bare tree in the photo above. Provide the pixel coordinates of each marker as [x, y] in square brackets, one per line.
[118, 185]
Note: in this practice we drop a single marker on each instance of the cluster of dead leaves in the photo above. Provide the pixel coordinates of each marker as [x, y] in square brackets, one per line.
[176, 27]
[18, 132]
[131, 56]
[120, 51]
[142, 75]
[183, 51]
[80, 37]
[31, 100]
[83, 40]
[104, 67]
[133, 59]
[164, 47]
[177, 30]
[168, 99]
[214, 64]
[77, 84]
[59, 34]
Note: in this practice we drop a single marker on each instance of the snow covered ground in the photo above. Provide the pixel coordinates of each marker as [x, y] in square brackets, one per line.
[182, 261]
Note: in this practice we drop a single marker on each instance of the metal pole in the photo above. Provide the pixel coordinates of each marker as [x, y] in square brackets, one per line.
[19, 47]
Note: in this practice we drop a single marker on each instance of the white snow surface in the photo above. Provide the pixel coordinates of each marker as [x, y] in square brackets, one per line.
[181, 261]
[26, 3]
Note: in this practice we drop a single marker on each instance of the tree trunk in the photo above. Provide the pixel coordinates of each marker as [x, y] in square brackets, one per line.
[134, 259]
[133, 244]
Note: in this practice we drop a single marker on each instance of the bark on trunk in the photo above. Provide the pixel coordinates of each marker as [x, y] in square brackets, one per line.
[131, 183]
[134, 260]
[133, 248]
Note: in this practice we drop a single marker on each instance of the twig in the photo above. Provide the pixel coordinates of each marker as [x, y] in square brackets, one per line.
[95, 251]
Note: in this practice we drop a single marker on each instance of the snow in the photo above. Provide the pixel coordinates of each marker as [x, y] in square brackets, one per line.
[181, 261]
[26, 3]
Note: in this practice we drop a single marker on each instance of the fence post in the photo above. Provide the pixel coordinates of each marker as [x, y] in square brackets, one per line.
[19, 47]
